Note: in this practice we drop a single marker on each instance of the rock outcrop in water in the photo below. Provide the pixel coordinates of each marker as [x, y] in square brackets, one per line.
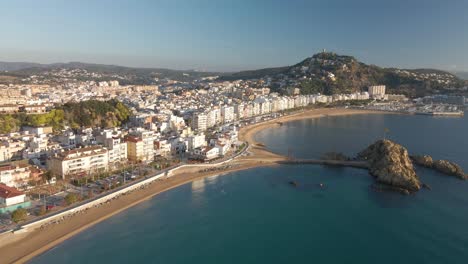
[425, 161]
[443, 166]
[391, 165]
[450, 168]
[293, 183]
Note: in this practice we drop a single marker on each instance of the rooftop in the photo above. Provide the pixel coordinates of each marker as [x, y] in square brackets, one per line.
[9, 192]
[81, 152]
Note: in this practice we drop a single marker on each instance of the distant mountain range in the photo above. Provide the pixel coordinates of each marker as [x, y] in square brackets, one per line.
[330, 73]
[137, 75]
[324, 72]
[14, 66]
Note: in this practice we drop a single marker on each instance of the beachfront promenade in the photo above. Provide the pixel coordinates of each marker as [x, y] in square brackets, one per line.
[108, 196]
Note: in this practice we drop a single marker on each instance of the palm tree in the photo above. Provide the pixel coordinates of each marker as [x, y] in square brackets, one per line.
[47, 176]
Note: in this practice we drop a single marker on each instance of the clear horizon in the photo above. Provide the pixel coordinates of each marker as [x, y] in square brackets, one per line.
[235, 35]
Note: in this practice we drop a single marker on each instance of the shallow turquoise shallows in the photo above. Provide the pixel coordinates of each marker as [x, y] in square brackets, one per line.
[255, 216]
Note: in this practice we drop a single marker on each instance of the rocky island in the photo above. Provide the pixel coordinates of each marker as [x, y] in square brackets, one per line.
[391, 166]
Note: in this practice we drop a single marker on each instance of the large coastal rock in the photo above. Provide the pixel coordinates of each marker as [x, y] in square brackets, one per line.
[390, 164]
[450, 168]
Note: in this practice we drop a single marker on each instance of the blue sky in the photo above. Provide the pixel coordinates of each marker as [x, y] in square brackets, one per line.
[233, 35]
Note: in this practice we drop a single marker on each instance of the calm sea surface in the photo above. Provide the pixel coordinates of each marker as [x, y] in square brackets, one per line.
[255, 216]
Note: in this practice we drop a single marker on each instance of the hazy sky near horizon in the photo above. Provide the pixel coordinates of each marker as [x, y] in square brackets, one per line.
[235, 34]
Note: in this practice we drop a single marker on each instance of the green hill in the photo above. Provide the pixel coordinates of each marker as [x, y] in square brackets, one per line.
[90, 113]
[330, 73]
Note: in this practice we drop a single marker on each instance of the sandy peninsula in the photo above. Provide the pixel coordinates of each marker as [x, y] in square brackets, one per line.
[19, 248]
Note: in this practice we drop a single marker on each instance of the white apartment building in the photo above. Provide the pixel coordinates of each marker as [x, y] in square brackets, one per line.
[227, 114]
[377, 91]
[223, 148]
[176, 123]
[213, 117]
[179, 145]
[239, 111]
[217, 115]
[196, 141]
[37, 130]
[255, 109]
[116, 148]
[140, 146]
[199, 122]
[11, 149]
[300, 101]
[265, 107]
[67, 139]
[36, 147]
[290, 104]
[162, 148]
[206, 153]
[14, 175]
[312, 99]
[79, 162]
[248, 111]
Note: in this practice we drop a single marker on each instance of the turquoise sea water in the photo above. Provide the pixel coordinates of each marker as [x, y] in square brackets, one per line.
[255, 216]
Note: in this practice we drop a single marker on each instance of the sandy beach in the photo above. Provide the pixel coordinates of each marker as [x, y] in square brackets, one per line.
[248, 133]
[19, 248]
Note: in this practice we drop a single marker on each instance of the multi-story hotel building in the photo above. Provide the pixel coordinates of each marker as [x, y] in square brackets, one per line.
[140, 146]
[79, 162]
[377, 91]
[199, 121]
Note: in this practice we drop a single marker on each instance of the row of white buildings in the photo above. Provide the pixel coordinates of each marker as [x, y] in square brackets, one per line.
[264, 105]
[111, 149]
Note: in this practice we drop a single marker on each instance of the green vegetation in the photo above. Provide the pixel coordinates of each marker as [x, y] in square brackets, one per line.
[241, 148]
[13, 122]
[162, 163]
[42, 211]
[312, 86]
[9, 123]
[19, 215]
[71, 198]
[47, 176]
[254, 74]
[94, 113]
[90, 113]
